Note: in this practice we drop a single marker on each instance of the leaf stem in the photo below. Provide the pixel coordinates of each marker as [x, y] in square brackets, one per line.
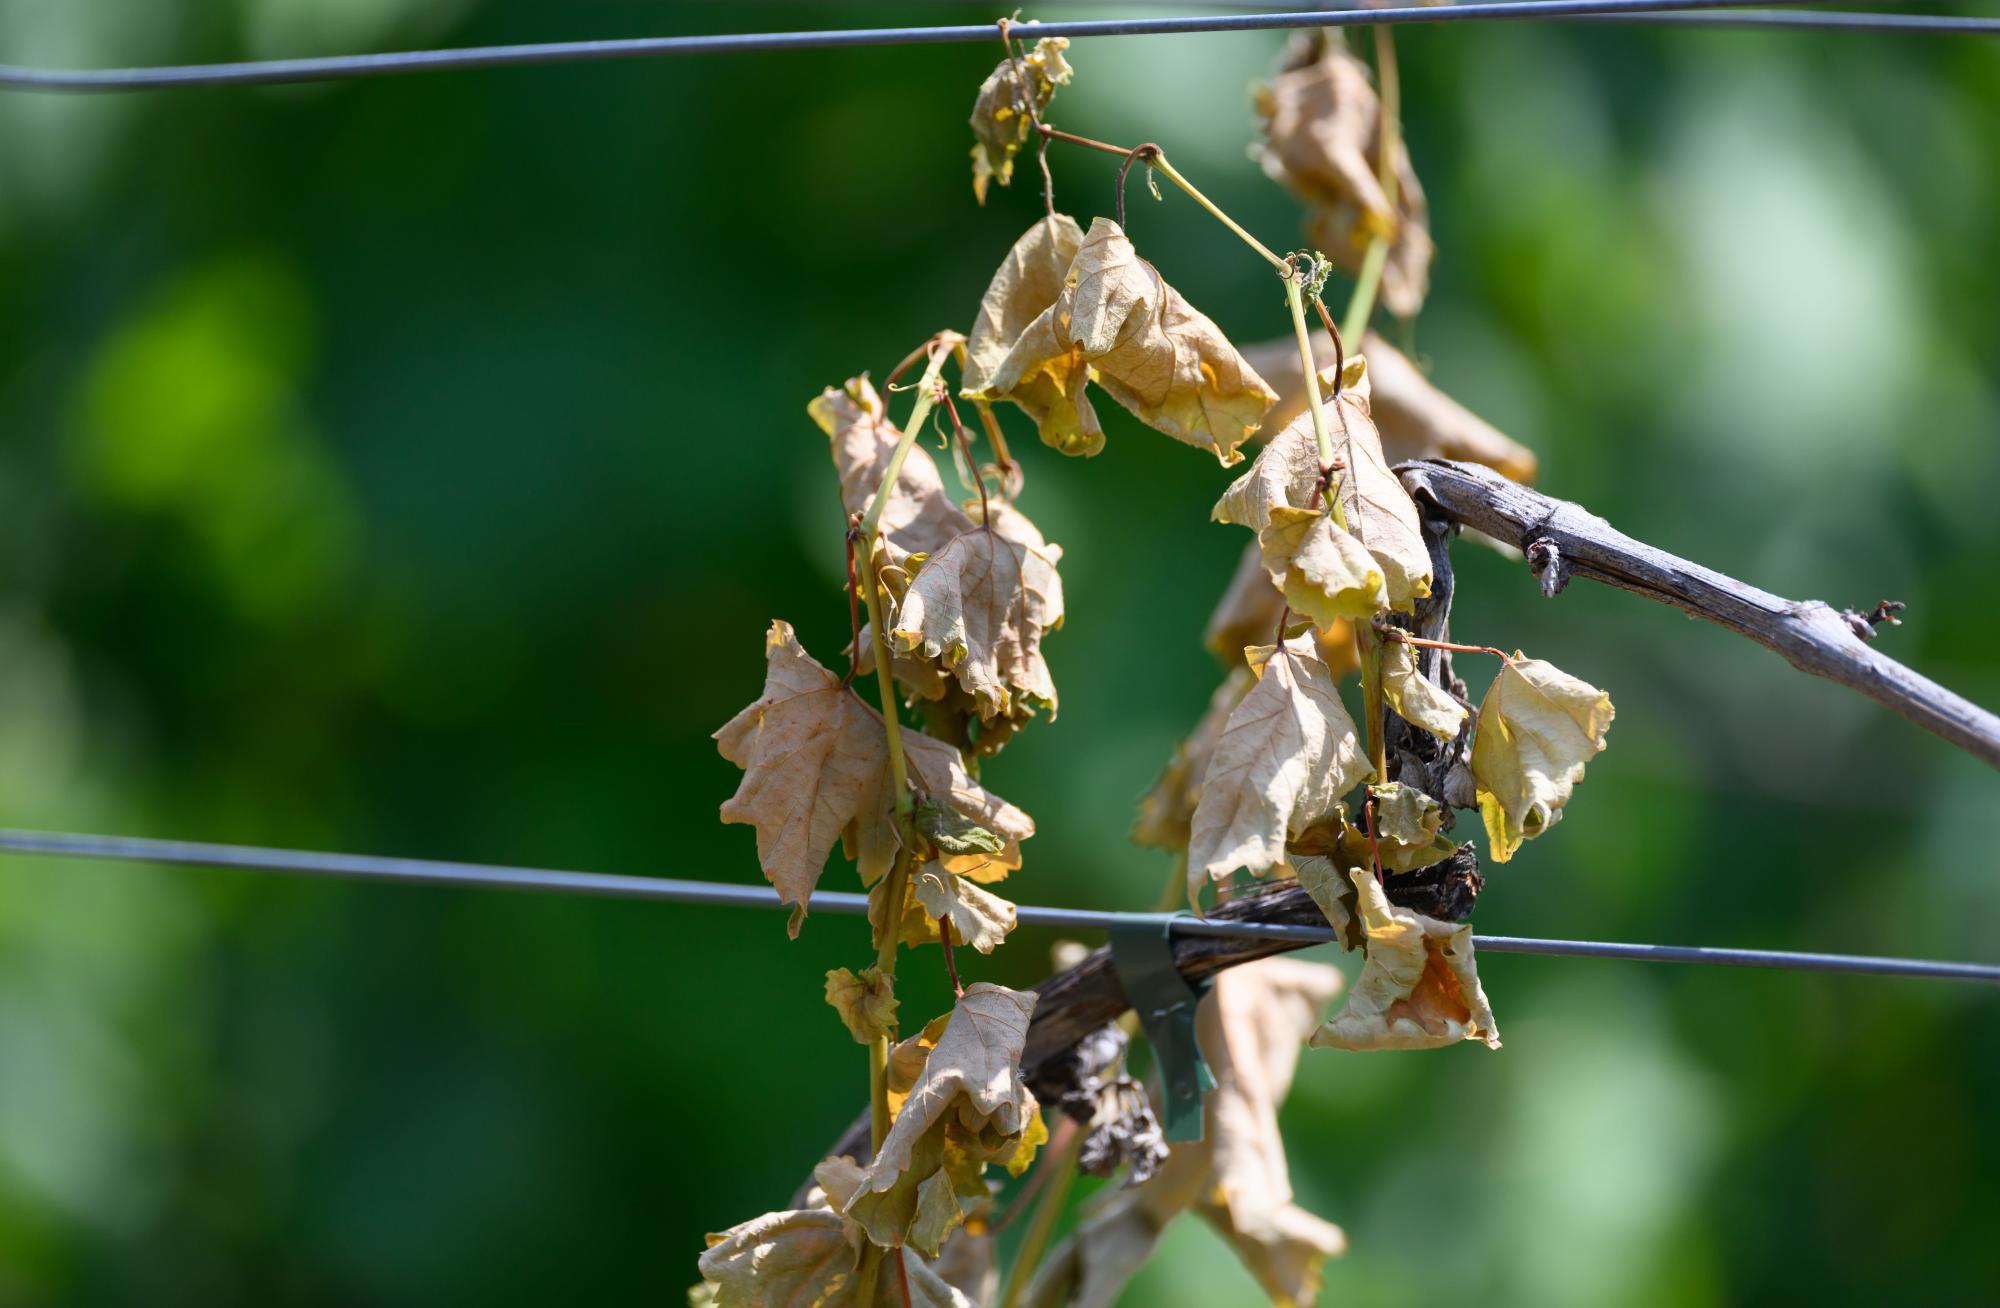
[1173, 175]
[1043, 1224]
[1375, 720]
[1295, 297]
[1361, 305]
[1402, 637]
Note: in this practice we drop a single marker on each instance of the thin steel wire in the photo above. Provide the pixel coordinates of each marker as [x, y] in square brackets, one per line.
[342, 67]
[413, 871]
[1813, 20]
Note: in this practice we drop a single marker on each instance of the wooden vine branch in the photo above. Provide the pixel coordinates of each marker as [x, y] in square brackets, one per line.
[1562, 540]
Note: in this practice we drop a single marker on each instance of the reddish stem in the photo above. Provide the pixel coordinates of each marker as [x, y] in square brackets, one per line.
[965, 448]
[1374, 851]
[902, 1278]
[853, 601]
[1402, 637]
[950, 960]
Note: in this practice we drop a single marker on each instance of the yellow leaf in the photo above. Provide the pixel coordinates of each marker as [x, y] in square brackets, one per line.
[1537, 727]
[1419, 988]
[1323, 139]
[1026, 285]
[815, 763]
[1001, 123]
[1416, 699]
[1118, 321]
[1287, 754]
[979, 608]
[866, 1002]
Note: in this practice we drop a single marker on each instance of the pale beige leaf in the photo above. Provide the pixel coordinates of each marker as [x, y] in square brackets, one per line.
[979, 608]
[1028, 283]
[806, 1257]
[1415, 419]
[919, 517]
[1322, 138]
[1418, 989]
[1001, 121]
[866, 1001]
[980, 918]
[968, 1097]
[1380, 513]
[1418, 700]
[1287, 754]
[1166, 812]
[815, 763]
[1326, 882]
[1117, 320]
[1537, 727]
[1251, 1027]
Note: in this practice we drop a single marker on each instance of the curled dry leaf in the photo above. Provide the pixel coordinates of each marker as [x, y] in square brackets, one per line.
[1409, 827]
[1251, 1026]
[1286, 755]
[1118, 321]
[1417, 699]
[808, 1256]
[979, 608]
[1028, 282]
[1416, 420]
[866, 1001]
[1322, 138]
[1419, 988]
[1379, 561]
[967, 1107]
[1001, 122]
[979, 917]
[1537, 727]
[919, 517]
[815, 763]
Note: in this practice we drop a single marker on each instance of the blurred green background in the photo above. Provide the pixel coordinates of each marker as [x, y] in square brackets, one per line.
[413, 466]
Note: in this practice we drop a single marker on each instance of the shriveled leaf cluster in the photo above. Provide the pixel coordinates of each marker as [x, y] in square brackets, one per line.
[1001, 118]
[1110, 318]
[1323, 139]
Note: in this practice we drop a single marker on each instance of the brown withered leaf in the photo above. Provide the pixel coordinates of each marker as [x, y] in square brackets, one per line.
[1418, 989]
[1322, 138]
[866, 1001]
[1251, 1027]
[1415, 419]
[1118, 321]
[979, 608]
[809, 1256]
[1029, 281]
[1416, 699]
[1537, 727]
[1287, 754]
[1001, 123]
[919, 517]
[966, 1107]
[1166, 812]
[815, 763]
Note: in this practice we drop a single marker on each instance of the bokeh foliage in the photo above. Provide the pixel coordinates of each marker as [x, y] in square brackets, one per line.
[413, 466]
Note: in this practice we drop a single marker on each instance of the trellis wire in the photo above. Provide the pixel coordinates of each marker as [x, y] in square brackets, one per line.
[342, 67]
[412, 871]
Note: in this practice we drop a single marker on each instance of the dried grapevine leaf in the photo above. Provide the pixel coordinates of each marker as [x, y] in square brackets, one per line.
[1250, 1026]
[980, 918]
[1419, 988]
[1416, 420]
[919, 517]
[1538, 726]
[1322, 126]
[1416, 698]
[866, 1001]
[1409, 828]
[979, 608]
[809, 1257]
[1287, 754]
[1001, 123]
[1028, 282]
[1117, 320]
[1380, 513]
[967, 1107]
[815, 766]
